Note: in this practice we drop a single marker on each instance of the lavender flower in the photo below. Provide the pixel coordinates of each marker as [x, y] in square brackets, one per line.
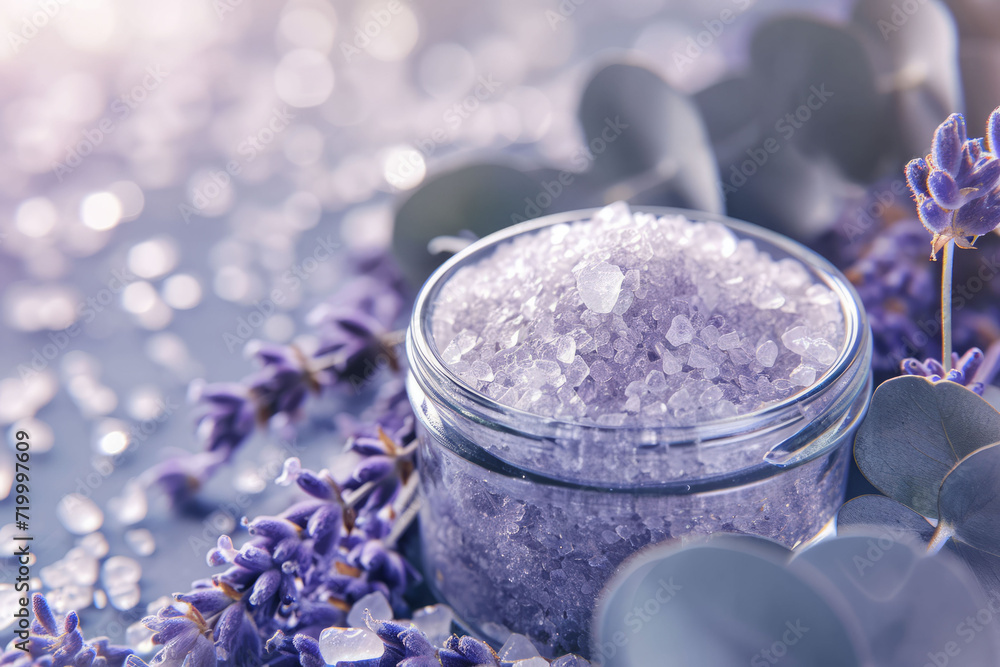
[956, 185]
[283, 381]
[225, 414]
[54, 644]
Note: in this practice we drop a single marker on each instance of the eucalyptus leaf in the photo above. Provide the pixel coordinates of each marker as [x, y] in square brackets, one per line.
[984, 566]
[802, 62]
[647, 137]
[729, 601]
[477, 198]
[914, 434]
[908, 604]
[970, 500]
[925, 42]
[869, 513]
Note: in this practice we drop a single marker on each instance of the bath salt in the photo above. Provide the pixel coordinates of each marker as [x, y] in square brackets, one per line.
[561, 322]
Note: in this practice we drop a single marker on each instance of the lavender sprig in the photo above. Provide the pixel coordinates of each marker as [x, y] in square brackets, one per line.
[958, 198]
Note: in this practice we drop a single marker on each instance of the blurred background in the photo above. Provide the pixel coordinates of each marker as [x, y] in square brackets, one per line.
[179, 178]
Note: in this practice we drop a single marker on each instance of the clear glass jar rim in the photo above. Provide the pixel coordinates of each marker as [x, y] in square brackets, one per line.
[427, 364]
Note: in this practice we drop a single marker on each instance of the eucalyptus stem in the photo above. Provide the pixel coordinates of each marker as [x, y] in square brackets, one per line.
[941, 535]
[946, 270]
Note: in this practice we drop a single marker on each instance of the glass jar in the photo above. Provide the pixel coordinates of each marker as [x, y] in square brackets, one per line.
[524, 518]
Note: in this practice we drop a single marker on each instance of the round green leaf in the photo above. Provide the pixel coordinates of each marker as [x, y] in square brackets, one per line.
[729, 601]
[914, 434]
[970, 500]
[909, 605]
[868, 513]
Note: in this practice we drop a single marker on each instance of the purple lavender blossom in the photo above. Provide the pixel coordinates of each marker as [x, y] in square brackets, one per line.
[955, 187]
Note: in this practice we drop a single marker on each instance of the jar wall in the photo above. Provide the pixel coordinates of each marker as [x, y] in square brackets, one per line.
[504, 551]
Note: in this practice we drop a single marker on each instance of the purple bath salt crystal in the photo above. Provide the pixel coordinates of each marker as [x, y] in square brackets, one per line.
[599, 304]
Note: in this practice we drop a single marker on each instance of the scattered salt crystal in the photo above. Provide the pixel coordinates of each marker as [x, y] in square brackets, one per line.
[599, 286]
[710, 395]
[9, 605]
[728, 341]
[517, 647]
[345, 644]
[710, 335]
[141, 541]
[767, 353]
[94, 544]
[633, 404]
[435, 622]
[70, 598]
[125, 596]
[576, 372]
[131, 506]
[79, 514]
[100, 599]
[120, 570]
[768, 297]
[376, 604]
[599, 371]
[680, 331]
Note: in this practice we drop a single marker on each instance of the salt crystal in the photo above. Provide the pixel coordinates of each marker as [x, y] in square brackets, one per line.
[599, 286]
[565, 349]
[141, 541]
[671, 364]
[517, 647]
[451, 354]
[435, 622]
[9, 605]
[796, 339]
[680, 331]
[125, 596]
[100, 599]
[120, 569]
[70, 598]
[345, 644]
[78, 514]
[728, 341]
[767, 353]
[653, 296]
[94, 544]
[482, 371]
[599, 371]
[803, 376]
[656, 382]
[376, 604]
[822, 351]
[767, 297]
[82, 567]
[700, 358]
